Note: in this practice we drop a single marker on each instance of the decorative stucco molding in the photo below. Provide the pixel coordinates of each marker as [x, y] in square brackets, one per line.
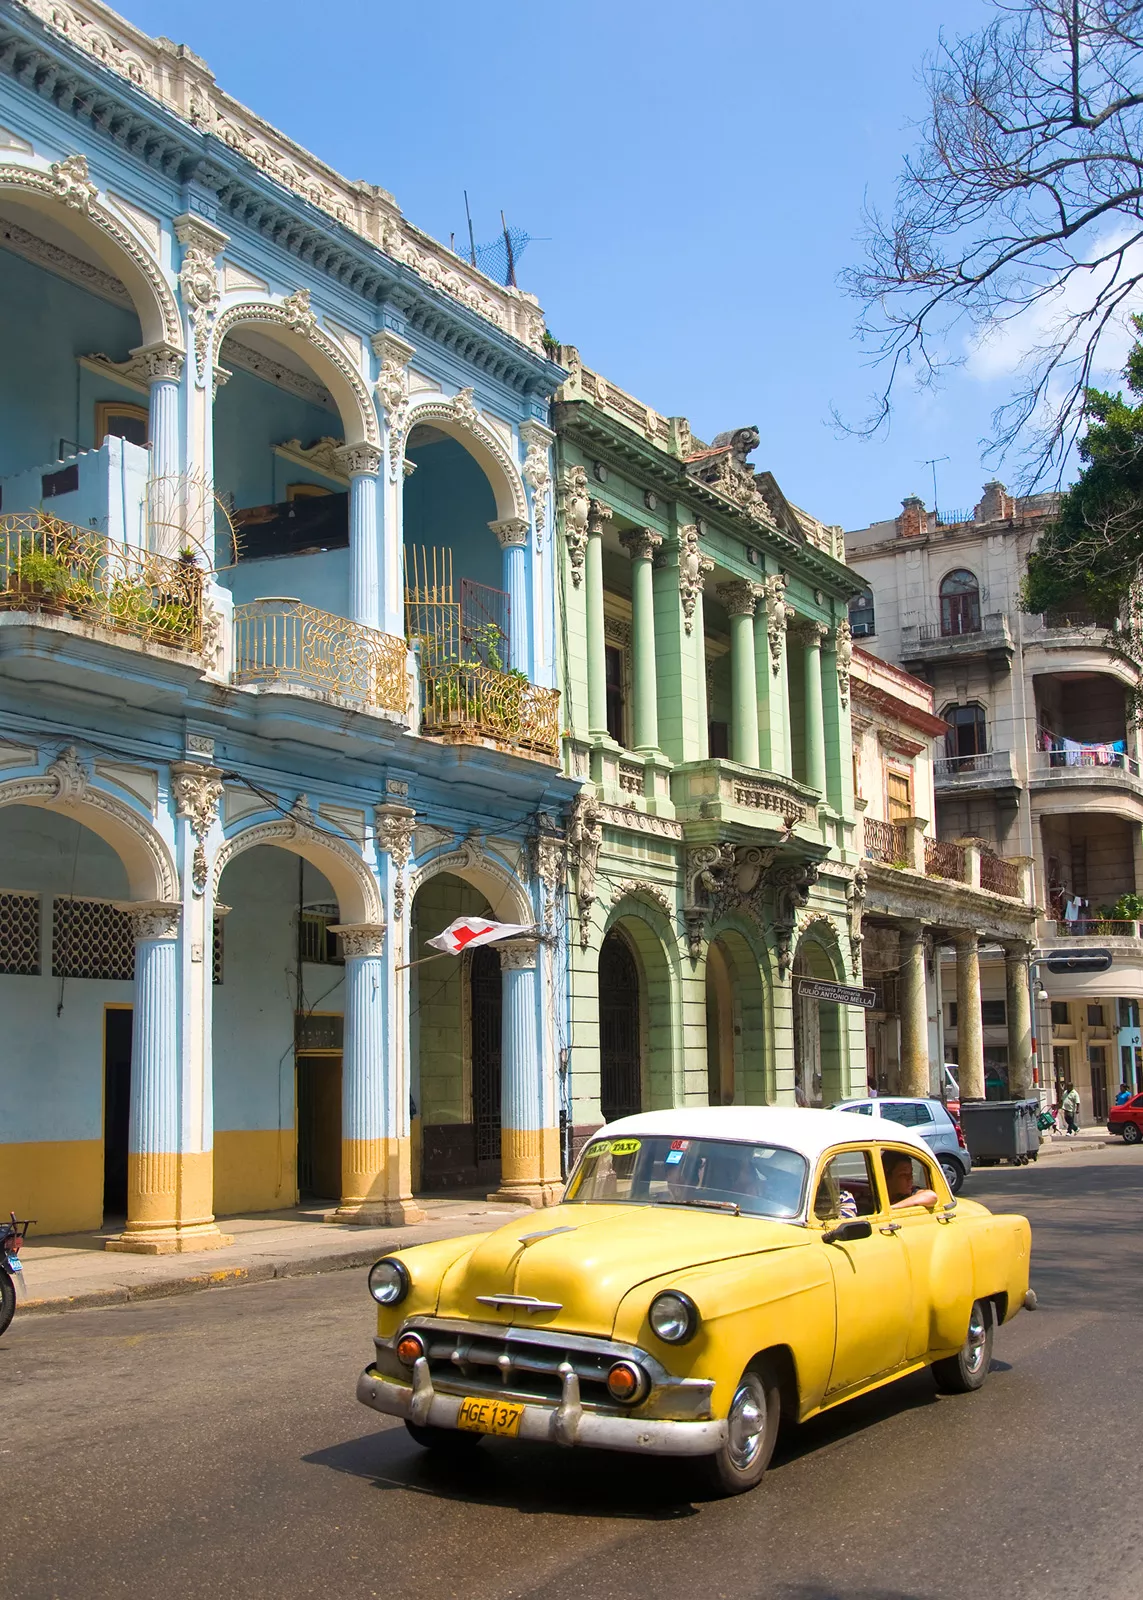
[152, 919]
[641, 544]
[199, 282]
[360, 938]
[536, 472]
[197, 791]
[461, 411]
[843, 649]
[392, 389]
[585, 837]
[693, 570]
[549, 866]
[393, 826]
[777, 616]
[575, 504]
[740, 597]
[643, 889]
[299, 832]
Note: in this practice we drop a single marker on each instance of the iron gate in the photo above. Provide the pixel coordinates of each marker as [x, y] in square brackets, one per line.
[487, 1011]
[621, 1088]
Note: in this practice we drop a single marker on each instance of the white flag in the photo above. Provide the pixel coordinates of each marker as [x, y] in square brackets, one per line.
[468, 932]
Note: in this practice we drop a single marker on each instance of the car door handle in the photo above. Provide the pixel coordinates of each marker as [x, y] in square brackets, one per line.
[891, 1227]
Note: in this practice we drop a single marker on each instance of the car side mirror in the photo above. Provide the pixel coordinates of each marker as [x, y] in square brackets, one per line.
[846, 1232]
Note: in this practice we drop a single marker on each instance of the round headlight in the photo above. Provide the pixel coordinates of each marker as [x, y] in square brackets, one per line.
[674, 1317]
[627, 1383]
[388, 1281]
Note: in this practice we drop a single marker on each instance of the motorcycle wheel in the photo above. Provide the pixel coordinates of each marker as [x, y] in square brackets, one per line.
[7, 1301]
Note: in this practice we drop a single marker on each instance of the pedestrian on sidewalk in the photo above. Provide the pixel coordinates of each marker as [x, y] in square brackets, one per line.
[1071, 1110]
[1124, 1094]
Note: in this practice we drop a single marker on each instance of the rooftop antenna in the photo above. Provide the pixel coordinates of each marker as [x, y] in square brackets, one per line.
[511, 281]
[932, 461]
[471, 235]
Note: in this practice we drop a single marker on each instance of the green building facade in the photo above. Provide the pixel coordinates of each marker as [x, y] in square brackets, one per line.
[705, 651]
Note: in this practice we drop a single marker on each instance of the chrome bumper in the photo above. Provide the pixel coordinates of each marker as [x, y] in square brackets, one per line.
[566, 1424]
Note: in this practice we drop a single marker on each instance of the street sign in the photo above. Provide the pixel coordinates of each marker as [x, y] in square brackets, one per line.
[1078, 961]
[841, 994]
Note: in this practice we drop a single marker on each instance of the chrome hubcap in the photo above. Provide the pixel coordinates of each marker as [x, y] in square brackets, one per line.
[745, 1427]
[977, 1335]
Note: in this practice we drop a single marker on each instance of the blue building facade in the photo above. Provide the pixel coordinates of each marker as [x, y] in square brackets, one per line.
[278, 693]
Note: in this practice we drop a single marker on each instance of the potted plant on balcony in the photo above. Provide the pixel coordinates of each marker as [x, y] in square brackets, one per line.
[39, 577]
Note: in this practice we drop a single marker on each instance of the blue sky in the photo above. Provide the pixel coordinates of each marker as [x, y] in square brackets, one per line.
[693, 177]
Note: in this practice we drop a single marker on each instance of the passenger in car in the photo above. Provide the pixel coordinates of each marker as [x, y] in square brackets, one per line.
[898, 1169]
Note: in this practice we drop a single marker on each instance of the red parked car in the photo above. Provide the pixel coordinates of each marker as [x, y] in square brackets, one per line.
[1127, 1120]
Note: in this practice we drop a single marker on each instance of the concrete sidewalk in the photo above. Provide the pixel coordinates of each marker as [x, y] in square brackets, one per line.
[74, 1271]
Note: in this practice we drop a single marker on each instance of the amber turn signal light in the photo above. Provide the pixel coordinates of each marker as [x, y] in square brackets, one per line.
[626, 1382]
[410, 1349]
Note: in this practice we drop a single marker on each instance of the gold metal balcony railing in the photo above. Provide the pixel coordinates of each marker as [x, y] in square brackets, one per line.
[463, 702]
[280, 640]
[53, 568]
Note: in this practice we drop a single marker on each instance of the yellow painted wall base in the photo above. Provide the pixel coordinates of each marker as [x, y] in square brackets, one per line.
[59, 1184]
[169, 1205]
[255, 1171]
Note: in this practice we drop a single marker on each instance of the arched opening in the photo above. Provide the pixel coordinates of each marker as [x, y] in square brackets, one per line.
[960, 603]
[620, 1030]
[455, 1020]
[735, 1023]
[279, 1005]
[67, 963]
[73, 306]
[819, 1075]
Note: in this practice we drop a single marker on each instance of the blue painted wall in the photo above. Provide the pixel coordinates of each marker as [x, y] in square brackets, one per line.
[250, 418]
[449, 503]
[320, 580]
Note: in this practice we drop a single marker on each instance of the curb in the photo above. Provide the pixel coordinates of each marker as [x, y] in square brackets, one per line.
[193, 1283]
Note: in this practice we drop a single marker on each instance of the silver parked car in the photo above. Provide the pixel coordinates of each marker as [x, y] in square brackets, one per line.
[931, 1120]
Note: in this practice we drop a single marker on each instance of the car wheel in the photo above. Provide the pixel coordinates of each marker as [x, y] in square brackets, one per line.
[1132, 1133]
[967, 1370]
[446, 1441]
[7, 1301]
[751, 1433]
[954, 1173]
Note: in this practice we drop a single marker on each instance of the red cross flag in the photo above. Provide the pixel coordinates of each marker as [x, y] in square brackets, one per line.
[468, 932]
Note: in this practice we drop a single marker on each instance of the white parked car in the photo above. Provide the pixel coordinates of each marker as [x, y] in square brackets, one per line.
[940, 1131]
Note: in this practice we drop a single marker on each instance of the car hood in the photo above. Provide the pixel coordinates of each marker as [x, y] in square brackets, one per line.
[589, 1257]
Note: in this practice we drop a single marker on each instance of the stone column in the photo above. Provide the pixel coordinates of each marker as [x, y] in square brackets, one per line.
[969, 1028]
[598, 517]
[1018, 1007]
[641, 544]
[163, 1217]
[393, 826]
[914, 1076]
[363, 462]
[740, 599]
[529, 1152]
[774, 694]
[512, 534]
[811, 635]
[164, 368]
[363, 1121]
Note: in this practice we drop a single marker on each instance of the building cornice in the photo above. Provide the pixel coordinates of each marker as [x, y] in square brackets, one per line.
[159, 102]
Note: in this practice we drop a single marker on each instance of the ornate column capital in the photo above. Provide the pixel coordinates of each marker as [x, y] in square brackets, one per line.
[390, 347]
[575, 510]
[1017, 950]
[809, 634]
[360, 938]
[512, 532]
[517, 955]
[151, 919]
[598, 516]
[197, 791]
[740, 597]
[160, 361]
[641, 544]
[361, 460]
[693, 569]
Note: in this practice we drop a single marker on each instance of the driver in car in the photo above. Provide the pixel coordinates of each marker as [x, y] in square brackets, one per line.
[898, 1169]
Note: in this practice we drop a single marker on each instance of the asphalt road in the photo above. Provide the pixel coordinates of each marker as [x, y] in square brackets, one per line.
[211, 1446]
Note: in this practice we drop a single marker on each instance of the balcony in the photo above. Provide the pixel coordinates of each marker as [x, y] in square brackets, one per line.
[1097, 928]
[988, 772]
[887, 842]
[757, 802]
[467, 703]
[51, 568]
[282, 643]
[1085, 768]
[924, 645]
[900, 844]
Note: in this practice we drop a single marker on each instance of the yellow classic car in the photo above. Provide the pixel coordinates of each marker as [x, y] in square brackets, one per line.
[709, 1271]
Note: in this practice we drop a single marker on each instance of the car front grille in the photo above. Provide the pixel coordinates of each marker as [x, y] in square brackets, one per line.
[478, 1361]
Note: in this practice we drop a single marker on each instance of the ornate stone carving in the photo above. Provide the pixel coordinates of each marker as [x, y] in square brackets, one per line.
[740, 597]
[777, 616]
[361, 459]
[635, 821]
[643, 889]
[536, 472]
[197, 791]
[72, 184]
[742, 442]
[300, 315]
[598, 516]
[69, 775]
[360, 938]
[693, 568]
[154, 362]
[326, 455]
[641, 544]
[300, 824]
[791, 885]
[574, 508]
[843, 646]
[198, 283]
[464, 409]
[392, 388]
[617, 630]
[549, 865]
[707, 869]
[810, 634]
[436, 408]
[855, 908]
[262, 365]
[517, 955]
[511, 532]
[394, 825]
[153, 919]
[585, 836]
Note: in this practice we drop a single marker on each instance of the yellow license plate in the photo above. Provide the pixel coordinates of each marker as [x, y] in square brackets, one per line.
[490, 1416]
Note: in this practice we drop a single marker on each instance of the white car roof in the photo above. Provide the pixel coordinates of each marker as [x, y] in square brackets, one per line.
[794, 1127]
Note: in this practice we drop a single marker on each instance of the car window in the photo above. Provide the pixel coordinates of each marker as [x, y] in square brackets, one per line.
[898, 1186]
[864, 1109]
[759, 1179]
[902, 1112]
[846, 1187]
[1137, 1103]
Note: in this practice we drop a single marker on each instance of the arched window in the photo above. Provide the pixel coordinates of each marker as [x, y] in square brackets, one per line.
[967, 735]
[960, 603]
[861, 615]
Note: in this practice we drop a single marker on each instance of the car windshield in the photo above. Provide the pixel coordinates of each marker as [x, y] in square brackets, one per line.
[760, 1180]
